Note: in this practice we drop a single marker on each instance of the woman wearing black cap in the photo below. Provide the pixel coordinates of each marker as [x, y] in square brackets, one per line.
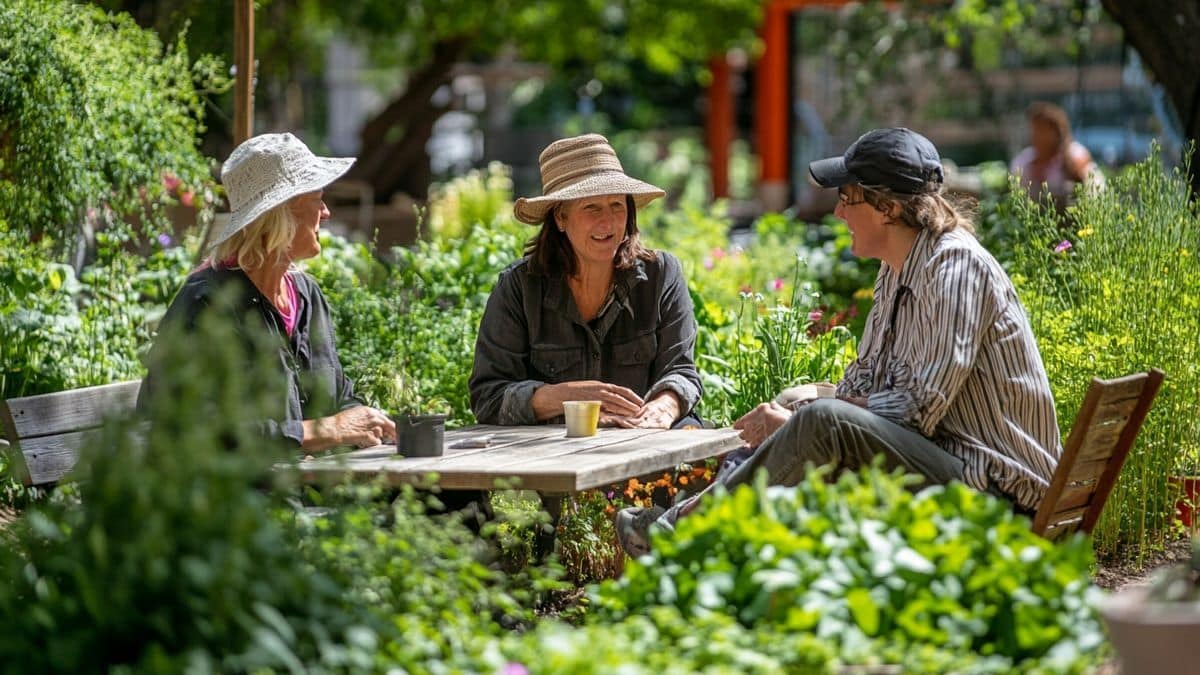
[948, 382]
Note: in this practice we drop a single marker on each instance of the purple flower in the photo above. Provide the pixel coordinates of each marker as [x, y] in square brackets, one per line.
[1062, 246]
[164, 240]
[514, 669]
[609, 495]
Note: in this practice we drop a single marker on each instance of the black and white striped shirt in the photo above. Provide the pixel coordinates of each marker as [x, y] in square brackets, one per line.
[948, 351]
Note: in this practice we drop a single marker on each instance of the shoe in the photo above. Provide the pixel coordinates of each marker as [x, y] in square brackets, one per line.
[633, 529]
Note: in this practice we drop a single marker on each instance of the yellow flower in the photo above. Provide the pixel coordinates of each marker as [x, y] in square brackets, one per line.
[1183, 253]
[864, 294]
[1129, 217]
[1086, 232]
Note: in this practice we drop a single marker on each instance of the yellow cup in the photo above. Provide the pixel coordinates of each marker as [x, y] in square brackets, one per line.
[582, 417]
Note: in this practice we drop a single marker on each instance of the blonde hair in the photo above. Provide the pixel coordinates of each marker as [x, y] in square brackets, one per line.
[931, 209]
[269, 235]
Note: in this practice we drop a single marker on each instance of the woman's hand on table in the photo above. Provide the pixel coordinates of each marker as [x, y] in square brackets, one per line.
[659, 412]
[361, 426]
[614, 400]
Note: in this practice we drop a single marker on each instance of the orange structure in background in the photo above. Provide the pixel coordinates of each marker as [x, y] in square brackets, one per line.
[772, 107]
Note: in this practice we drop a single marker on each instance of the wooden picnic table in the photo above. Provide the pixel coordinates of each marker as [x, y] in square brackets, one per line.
[539, 458]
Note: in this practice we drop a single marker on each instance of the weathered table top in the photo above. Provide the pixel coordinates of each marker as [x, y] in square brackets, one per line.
[537, 458]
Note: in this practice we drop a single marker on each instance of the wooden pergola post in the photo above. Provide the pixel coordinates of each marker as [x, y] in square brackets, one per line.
[719, 125]
[243, 90]
[772, 108]
[243, 59]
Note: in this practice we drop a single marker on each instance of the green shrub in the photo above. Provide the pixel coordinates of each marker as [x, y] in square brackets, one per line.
[172, 559]
[1113, 288]
[61, 332]
[944, 580]
[94, 111]
[767, 348]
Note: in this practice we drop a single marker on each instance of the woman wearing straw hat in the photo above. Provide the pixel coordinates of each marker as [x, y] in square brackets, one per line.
[588, 313]
[275, 184]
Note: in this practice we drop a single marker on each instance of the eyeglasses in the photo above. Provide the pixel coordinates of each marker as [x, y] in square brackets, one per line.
[846, 200]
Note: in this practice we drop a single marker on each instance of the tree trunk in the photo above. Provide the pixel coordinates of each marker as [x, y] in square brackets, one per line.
[392, 156]
[1163, 32]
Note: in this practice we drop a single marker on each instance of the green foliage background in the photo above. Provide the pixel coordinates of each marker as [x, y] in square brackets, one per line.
[93, 112]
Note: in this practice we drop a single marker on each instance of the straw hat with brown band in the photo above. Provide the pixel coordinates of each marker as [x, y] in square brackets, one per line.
[582, 166]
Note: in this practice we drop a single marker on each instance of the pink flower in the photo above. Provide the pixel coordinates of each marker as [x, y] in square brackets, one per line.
[708, 263]
[1063, 245]
[170, 182]
[718, 253]
[514, 669]
[777, 285]
[815, 315]
[187, 198]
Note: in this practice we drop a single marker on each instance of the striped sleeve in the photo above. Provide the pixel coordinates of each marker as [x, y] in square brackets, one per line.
[958, 291]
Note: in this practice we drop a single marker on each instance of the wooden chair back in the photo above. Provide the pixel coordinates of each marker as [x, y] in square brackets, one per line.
[1100, 440]
[45, 432]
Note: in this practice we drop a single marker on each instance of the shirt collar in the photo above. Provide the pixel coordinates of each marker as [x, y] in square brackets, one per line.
[624, 281]
[918, 255]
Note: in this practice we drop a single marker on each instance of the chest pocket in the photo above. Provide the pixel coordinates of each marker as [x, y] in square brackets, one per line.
[632, 361]
[557, 365]
[639, 351]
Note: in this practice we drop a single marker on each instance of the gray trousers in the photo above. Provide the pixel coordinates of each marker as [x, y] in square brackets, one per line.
[832, 431]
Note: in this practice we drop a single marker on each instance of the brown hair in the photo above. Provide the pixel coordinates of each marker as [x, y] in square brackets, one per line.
[930, 209]
[1053, 115]
[550, 253]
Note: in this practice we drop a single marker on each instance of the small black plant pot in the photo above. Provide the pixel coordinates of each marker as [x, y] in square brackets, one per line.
[420, 435]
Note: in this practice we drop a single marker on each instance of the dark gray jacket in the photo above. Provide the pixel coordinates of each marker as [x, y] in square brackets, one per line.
[532, 334]
[307, 360]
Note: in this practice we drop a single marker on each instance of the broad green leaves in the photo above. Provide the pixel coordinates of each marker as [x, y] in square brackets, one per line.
[945, 579]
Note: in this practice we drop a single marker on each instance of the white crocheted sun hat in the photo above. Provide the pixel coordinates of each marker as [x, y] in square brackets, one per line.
[266, 171]
[582, 166]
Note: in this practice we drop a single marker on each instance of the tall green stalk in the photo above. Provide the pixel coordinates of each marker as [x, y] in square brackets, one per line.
[1122, 298]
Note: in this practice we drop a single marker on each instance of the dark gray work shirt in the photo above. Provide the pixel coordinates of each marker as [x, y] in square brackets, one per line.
[532, 334]
[306, 360]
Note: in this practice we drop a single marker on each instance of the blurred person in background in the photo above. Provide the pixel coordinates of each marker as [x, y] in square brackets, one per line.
[1053, 163]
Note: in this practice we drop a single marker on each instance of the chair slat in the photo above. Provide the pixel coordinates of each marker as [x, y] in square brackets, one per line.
[66, 411]
[1076, 495]
[1083, 472]
[1099, 441]
[49, 458]
[1104, 431]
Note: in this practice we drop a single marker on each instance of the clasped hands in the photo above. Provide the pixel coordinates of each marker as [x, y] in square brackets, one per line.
[619, 406]
[766, 418]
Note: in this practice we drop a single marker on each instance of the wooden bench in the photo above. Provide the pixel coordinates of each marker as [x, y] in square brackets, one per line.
[1104, 431]
[45, 432]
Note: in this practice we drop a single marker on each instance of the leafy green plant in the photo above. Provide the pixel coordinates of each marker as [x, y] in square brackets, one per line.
[769, 348]
[1111, 289]
[944, 580]
[59, 331]
[93, 112]
[171, 559]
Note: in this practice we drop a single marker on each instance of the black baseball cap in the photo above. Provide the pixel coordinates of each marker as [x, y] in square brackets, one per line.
[898, 159]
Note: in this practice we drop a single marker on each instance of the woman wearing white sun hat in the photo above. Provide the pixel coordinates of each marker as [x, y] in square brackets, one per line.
[274, 183]
[588, 313]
